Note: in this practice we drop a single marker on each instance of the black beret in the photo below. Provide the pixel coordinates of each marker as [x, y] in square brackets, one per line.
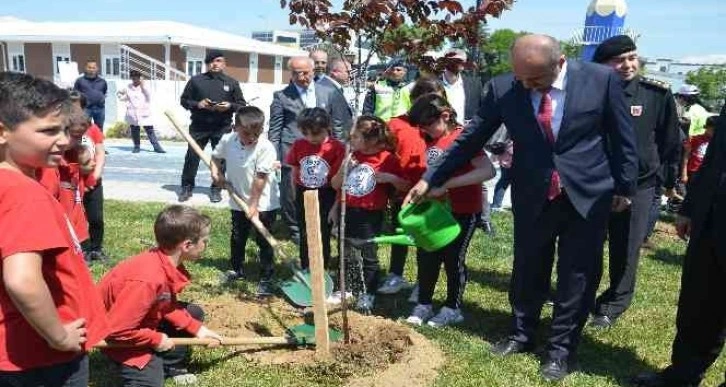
[212, 55]
[613, 47]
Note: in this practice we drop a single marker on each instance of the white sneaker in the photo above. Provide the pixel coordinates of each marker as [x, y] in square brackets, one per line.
[337, 297]
[420, 314]
[446, 316]
[413, 298]
[392, 284]
[365, 303]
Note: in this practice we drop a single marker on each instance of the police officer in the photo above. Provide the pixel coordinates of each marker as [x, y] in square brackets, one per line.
[389, 97]
[655, 119]
[212, 98]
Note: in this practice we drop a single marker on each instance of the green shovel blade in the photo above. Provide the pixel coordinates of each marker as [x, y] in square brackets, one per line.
[300, 293]
[304, 334]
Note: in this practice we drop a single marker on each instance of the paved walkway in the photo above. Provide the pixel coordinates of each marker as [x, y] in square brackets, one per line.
[153, 177]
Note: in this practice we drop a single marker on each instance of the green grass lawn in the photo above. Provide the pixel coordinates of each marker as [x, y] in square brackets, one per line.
[640, 341]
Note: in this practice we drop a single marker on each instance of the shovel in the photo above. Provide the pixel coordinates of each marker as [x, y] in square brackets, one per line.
[299, 291]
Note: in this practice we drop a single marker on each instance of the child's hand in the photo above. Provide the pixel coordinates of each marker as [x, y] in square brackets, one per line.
[206, 333]
[333, 217]
[75, 336]
[253, 212]
[383, 177]
[218, 178]
[165, 345]
[437, 192]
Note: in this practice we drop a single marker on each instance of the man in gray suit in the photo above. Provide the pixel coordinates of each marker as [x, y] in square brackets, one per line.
[287, 103]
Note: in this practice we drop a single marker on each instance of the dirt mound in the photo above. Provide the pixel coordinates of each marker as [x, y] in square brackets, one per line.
[381, 352]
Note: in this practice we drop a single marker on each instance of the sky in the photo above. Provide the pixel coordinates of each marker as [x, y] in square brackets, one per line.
[668, 28]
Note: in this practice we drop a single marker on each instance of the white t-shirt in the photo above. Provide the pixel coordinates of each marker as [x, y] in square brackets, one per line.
[243, 163]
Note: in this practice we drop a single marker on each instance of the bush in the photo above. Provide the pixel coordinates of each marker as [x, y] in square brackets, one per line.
[119, 129]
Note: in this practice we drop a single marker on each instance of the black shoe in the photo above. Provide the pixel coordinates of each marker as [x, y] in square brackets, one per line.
[185, 193]
[508, 347]
[136, 150]
[159, 149]
[215, 195]
[96, 255]
[487, 227]
[601, 321]
[231, 276]
[553, 370]
[265, 288]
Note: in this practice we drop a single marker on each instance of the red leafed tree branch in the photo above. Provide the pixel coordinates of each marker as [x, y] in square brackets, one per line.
[440, 20]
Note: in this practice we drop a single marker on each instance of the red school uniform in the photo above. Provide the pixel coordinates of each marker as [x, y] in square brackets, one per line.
[93, 137]
[410, 147]
[466, 199]
[31, 220]
[699, 145]
[66, 185]
[138, 293]
[315, 164]
[361, 187]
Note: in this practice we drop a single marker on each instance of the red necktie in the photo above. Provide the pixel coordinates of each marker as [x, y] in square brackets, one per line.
[544, 118]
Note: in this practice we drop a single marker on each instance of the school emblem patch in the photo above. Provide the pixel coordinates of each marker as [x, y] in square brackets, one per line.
[226, 87]
[636, 111]
[361, 181]
[314, 171]
[432, 155]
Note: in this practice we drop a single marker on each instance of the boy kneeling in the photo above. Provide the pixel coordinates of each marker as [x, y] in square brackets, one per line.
[140, 298]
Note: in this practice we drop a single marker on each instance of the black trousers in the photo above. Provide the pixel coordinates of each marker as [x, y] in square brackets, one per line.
[654, 210]
[579, 268]
[364, 224]
[326, 200]
[241, 227]
[287, 201]
[191, 160]
[701, 319]
[71, 374]
[152, 375]
[626, 233]
[93, 204]
[399, 253]
[453, 256]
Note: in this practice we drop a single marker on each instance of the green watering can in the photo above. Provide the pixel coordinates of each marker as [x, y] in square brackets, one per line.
[428, 225]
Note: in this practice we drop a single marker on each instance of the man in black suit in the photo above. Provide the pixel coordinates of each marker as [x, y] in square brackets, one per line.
[301, 93]
[701, 319]
[575, 161]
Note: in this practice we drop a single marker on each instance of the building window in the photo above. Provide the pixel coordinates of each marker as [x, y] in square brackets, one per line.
[111, 66]
[194, 67]
[60, 59]
[18, 62]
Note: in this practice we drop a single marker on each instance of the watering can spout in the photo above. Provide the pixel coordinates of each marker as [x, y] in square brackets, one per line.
[398, 239]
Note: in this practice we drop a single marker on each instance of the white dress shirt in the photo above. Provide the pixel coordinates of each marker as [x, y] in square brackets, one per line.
[307, 95]
[456, 96]
[558, 96]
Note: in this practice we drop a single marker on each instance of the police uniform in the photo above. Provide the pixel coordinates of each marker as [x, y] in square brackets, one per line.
[655, 121]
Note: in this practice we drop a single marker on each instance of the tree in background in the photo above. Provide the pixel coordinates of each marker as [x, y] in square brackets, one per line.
[712, 82]
[495, 51]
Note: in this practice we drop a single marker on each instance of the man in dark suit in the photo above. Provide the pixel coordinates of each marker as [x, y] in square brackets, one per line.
[338, 78]
[575, 161]
[701, 318]
[287, 103]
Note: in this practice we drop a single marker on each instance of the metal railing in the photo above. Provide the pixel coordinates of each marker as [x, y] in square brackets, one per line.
[150, 68]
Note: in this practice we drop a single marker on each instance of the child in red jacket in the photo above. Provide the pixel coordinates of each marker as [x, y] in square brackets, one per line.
[50, 315]
[315, 159]
[140, 297]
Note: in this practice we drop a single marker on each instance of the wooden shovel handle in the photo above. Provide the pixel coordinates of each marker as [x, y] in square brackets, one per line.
[225, 342]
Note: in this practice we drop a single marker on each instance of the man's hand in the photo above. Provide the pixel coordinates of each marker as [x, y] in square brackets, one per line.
[671, 193]
[165, 345]
[683, 227]
[417, 192]
[74, 337]
[206, 333]
[222, 106]
[620, 203]
[204, 104]
[253, 212]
